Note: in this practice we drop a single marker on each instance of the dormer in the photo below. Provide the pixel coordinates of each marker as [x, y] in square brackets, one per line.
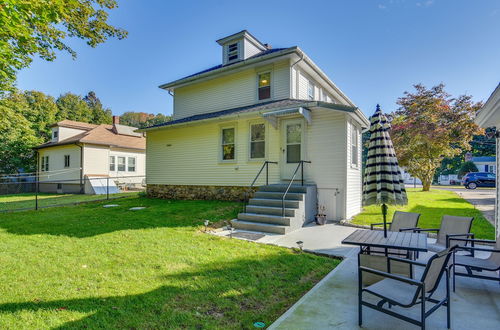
[239, 47]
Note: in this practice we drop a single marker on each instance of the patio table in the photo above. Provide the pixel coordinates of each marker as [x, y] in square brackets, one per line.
[402, 240]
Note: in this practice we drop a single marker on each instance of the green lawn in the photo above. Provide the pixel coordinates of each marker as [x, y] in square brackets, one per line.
[92, 267]
[27, 200]
[432, 206]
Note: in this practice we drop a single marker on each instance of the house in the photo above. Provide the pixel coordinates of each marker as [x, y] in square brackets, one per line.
[489, 116]
[448, 179]
[408, 178]
[485, 163]
[81, 157]
[260, 104]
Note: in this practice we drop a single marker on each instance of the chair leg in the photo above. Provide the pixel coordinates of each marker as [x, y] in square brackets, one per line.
[454, 279]
[448, 300]
[422, 311]
[360, 297]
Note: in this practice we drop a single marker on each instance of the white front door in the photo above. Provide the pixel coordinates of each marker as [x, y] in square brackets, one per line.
[292, 147]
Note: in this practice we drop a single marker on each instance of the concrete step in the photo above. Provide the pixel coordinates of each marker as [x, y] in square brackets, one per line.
[269, 210]
[264, 218]
[262, 227]
[279, 195]
[273, 202]
[282, 187]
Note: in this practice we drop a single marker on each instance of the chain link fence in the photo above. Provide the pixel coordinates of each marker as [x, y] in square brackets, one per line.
[33, 191]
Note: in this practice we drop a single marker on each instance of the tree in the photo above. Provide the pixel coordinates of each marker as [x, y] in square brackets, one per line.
[73, 107]
[98, 113]
[143, 119]
[429, 126]
[39, 27]
[467, 167]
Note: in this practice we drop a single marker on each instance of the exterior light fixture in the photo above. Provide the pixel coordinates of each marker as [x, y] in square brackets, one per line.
[300, 244]
[206, 223]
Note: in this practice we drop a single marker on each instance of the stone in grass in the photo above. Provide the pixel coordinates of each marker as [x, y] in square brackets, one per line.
[136, 208]
[111, 205]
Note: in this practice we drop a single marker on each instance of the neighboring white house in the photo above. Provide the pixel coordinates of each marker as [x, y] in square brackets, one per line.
[448, 179]
[408, 178]
[489, 116]
[260, 104]
[485, 163]
[81, 153]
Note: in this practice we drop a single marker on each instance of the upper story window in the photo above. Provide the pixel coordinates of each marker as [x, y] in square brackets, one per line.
[264, 86]
[324, 96]
[257, 141]
[228, 145]
[310, 90]
[354, 146]
[232, 52]
[55, 134]
[66, 161]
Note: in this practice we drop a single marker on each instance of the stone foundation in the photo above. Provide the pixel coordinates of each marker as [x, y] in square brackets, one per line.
[224, 193]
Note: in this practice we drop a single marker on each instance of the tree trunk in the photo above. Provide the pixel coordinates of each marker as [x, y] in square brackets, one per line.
[426, 185]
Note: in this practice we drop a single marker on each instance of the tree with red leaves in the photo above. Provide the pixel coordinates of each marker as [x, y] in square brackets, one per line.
[429, 126]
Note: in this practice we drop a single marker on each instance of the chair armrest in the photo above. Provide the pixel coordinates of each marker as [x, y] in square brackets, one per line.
[475, 240]
[470, 248]
[408, 229]
[391, 276]
[408, 261]
[426, 229]
[378, 224]
[449, 238]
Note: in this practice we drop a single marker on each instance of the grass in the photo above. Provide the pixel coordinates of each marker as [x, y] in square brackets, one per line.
[432, 206]
[92, 267]
[27, 200]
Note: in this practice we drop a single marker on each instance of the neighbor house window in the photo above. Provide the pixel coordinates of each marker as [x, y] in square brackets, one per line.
[121, 164]
[310, 90]
[354, 146]
[232, 52]
[257, 141]
[55, 134]
[131, 164]
[45, 164]
[112, 163]
[228, 150]
[264, 86]
[66, 161]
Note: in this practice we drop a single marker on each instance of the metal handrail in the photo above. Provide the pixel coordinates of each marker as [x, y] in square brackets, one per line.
[301, 166]
[266, 165]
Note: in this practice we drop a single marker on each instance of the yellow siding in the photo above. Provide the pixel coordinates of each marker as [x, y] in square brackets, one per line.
[57, 171]
[231, 91]
[95, 160]
[191, 155]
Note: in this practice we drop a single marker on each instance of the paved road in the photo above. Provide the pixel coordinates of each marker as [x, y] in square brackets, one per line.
[482, 199]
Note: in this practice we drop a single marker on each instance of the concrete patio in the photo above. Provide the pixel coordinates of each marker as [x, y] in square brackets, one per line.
[332, 303]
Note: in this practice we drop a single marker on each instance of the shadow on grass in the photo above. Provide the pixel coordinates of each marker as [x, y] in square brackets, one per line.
[93, 219]
[216, 295]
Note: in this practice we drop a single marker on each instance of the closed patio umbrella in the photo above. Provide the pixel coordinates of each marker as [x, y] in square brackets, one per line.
[383, 184]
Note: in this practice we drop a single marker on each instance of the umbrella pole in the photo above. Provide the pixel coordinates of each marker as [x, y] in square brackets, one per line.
[384, 214]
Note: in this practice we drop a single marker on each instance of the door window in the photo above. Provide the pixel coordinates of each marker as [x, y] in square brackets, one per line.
[293, 142]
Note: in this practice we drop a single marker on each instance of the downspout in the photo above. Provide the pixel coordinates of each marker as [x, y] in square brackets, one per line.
[82, 190]
[296, 80]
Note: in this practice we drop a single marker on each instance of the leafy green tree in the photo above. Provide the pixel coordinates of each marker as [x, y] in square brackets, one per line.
[143, 119]
[467, 167]
[31, 28]
[429, 126]
[73, 107]
[42, 112]
[98, 113]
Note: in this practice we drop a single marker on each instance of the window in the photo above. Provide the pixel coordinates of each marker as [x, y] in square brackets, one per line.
[45, 164]
[310, 90]
[121, 164]
[264, 86]
[324, 96]
[131, 164]
[232, 52]
[112, 163]
[257, 141]
[66, 161]
[55, 134]
[354, 146]
[228, 143]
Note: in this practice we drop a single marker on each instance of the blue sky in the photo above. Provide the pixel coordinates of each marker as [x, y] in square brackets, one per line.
[373, 50]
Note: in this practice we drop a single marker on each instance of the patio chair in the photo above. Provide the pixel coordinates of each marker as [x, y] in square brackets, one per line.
[397, 290]
[401, 221]
[474, 265]
[451, 226]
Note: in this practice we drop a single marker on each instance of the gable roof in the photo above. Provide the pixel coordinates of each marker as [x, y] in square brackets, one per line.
[102, 135]
[74, 124]
[259, 107]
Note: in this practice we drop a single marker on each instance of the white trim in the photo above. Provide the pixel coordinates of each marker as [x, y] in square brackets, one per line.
[250, 124]
[221, 152]
[271, 89]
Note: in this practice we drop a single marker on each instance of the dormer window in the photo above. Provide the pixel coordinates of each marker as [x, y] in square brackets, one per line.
[232, 52]
[265, 86]
[55, 134]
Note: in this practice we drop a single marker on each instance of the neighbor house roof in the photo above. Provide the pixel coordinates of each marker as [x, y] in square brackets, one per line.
[489, 115]
[483, 159]
[100, 134]
[259, 107]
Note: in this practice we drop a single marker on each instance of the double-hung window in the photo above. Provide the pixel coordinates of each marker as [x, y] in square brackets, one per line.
[228, 145]
[131, 164]
[310, 90]
[265, 86]
[257, 141]
[45, 164]
[121, 164]
[66, 161]
[55, 134]
[112, 163]
[354, 146]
